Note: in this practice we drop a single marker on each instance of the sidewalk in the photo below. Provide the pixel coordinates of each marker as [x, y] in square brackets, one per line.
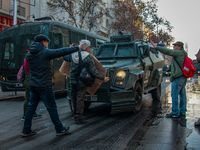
[12, 94]
[176, 133]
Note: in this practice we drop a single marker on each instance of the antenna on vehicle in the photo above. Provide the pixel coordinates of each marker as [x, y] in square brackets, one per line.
[121, 32]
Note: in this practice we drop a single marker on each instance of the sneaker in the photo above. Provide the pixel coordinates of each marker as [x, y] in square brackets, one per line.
[79, 121]
[23, 118]
[37, 115]
[63, 132]
[170, 115]
[197, 123]
[26, 134]
[183, 115]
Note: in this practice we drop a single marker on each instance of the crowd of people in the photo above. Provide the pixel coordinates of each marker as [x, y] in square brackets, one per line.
[38, 81]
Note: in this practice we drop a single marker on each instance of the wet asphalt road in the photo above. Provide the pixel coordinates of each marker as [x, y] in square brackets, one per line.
[147, 130]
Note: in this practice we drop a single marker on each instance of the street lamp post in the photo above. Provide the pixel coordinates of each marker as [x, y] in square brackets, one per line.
[15, 13]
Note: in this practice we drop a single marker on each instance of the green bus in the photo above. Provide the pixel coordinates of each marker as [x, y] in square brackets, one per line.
[15, 41]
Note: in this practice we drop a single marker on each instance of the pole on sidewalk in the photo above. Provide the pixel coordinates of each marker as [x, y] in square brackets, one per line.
[15, 12]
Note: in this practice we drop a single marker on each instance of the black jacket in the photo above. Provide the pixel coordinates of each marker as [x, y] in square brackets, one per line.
[40, 65]
[89, 62]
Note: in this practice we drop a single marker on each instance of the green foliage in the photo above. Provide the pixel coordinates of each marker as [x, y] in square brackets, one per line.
[140, 15]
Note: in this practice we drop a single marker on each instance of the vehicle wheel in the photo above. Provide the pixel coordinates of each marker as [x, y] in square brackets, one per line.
[156, 93]
[138, 98]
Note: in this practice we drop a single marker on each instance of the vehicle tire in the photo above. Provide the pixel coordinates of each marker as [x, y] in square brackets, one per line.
[156, 93]
[138, 97]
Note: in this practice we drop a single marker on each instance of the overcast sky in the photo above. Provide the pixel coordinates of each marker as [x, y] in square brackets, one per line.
[184, 16]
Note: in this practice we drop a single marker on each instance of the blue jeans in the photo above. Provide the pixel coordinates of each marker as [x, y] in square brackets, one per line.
[46, 95]
[178, 91]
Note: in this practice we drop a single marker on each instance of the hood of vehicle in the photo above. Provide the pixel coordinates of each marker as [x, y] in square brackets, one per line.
[118, 63]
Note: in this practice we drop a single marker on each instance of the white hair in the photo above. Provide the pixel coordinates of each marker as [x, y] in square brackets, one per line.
[87, 44]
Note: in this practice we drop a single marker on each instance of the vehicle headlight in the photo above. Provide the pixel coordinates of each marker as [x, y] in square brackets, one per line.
[121, 74]
[3, 78]
[119, 79]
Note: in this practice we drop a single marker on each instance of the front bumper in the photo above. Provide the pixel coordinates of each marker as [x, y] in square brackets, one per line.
[10, 86]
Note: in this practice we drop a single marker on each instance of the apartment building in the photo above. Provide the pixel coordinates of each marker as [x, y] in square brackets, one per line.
[31, 9]
[7, 10]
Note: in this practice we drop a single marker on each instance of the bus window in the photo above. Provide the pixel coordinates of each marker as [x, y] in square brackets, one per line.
[9, 55]
[62, 36]
[57, 40]
[9, 49]
[24, 44]
[81, 37]
[65, 38]
[77, 37]
[74, 37]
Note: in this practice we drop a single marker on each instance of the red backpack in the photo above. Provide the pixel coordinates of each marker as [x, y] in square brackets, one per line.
[188, 67]
[21, 74]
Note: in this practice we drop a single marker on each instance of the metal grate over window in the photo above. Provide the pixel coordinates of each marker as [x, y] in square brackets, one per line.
[21, 11]
[0, 4]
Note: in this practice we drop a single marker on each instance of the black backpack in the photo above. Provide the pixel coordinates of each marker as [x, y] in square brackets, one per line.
[84, 73]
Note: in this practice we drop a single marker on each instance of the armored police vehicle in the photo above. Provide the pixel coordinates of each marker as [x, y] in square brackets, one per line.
[134, 67]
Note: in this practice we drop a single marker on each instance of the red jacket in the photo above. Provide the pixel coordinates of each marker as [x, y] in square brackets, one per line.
[26, 66]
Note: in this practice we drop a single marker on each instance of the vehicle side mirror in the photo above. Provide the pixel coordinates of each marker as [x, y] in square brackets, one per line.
[153, 50]
[144, 51]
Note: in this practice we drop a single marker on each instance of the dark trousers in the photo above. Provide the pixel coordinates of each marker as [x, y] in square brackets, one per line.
[46, 95]
[78, 98]
[27, 92]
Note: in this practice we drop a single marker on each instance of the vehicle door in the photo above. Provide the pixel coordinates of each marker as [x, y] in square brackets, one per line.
[147, 64]
[60, 39]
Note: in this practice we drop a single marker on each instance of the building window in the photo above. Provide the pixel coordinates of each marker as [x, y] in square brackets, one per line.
[0, 4]
[21, 11]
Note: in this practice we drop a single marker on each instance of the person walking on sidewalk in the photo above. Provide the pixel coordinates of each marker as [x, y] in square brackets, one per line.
[177, 78]
[39, 59]
[27, 90]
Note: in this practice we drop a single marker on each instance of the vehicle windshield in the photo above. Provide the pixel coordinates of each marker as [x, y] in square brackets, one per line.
[14, 44]
[106, 51]
[9, 54]
[117, 50]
